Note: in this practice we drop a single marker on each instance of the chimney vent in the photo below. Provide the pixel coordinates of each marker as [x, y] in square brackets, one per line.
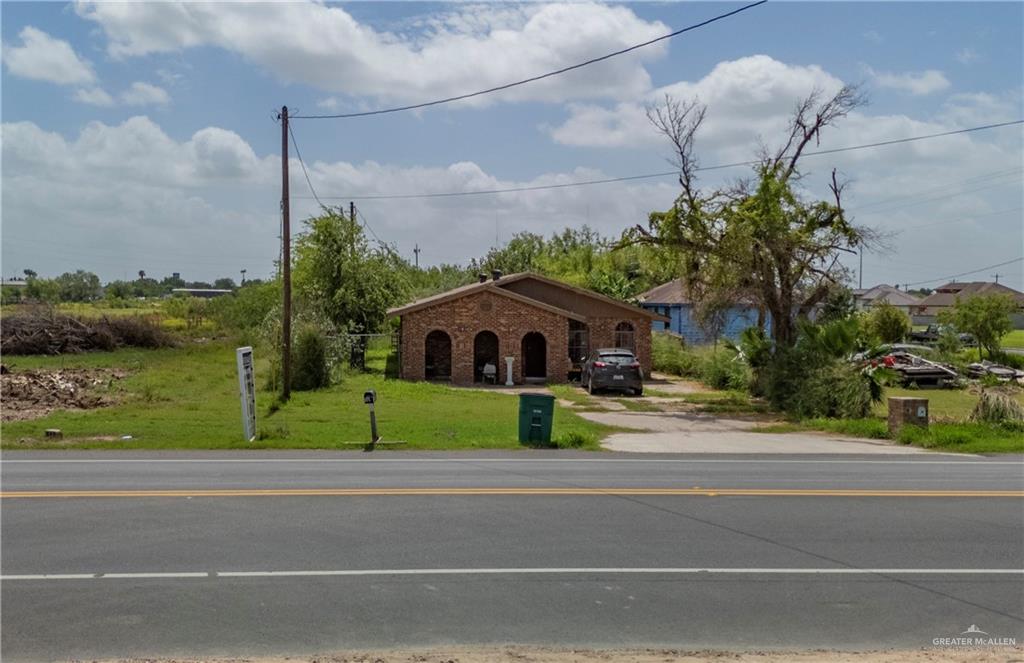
[495, 274]
[481, 277]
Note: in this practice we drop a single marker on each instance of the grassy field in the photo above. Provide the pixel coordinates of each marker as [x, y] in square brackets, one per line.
[949, 429]
[187, 398]
[1014, 339]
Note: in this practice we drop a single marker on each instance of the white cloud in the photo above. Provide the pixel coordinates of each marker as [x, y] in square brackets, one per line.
[94, 96]
[917, 83]
[330, 104]
[471, 48]
[966, 56]
[145, 94]
[746, 98]
[873, 36]
[44, 58]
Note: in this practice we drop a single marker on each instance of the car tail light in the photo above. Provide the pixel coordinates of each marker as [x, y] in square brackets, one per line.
[635, 364]
[599, 364]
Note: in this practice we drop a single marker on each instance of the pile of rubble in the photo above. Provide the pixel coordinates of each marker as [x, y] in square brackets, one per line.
[31, 394]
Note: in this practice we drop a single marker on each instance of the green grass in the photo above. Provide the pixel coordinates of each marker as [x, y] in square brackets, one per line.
[948, 405]
[187, 398]
[1014, 339]
[949, 429]
[637, 405]
[959, 437]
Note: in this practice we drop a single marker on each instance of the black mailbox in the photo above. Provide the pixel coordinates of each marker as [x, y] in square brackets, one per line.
[370, 397]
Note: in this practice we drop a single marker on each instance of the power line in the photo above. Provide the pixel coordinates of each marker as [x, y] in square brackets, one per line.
[610, 180]
[303, 164]
[973, 271]
[533, 79]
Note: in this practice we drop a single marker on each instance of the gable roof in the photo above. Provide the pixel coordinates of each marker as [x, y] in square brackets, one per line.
[590, 294]
[496, 287]
[474, 288]
[886, 293]
[945, 295]
[675, 292]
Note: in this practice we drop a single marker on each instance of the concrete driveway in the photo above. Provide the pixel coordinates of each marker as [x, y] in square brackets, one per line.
[691, 432]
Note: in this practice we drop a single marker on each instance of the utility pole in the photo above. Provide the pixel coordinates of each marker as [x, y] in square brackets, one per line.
[996, 277]
[243, 277]
[352, 211]
[417, 252]
[860, 270]
[286, 263]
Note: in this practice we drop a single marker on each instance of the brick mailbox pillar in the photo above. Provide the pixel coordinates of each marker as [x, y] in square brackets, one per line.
[905, 410]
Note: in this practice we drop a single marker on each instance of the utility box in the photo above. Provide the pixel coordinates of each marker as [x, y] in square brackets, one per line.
[536, 412]
[905, 410]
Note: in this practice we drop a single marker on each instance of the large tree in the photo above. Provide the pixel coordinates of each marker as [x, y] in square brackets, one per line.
[763, 239]
[338, 274]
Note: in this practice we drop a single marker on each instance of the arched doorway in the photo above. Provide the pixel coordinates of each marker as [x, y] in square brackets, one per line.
[485, 353]
[437, 356]
[624, 336]
[535, 356]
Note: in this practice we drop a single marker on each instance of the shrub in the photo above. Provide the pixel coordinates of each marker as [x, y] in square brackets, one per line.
[725, 370]
[669, 355]
[996, 407]
[887, 323]
[573, 440]
[309, 366]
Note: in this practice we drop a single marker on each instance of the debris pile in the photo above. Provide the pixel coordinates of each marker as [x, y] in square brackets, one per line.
[35, 393]
[48, 333]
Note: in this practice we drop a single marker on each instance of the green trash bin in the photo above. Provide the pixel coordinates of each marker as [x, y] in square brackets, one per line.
[536, 412]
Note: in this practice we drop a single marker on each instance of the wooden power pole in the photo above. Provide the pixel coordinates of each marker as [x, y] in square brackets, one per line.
[286, 264]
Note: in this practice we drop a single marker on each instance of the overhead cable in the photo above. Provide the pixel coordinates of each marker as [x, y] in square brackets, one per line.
[532, 79]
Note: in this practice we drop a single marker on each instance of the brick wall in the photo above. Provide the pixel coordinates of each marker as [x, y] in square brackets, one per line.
[463, 318]
[602, 335]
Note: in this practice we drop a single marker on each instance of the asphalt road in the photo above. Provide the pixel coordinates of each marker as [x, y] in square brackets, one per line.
[175, 554]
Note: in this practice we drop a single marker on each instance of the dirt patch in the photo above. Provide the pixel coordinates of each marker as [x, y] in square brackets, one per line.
[35, 393]
[548, 655]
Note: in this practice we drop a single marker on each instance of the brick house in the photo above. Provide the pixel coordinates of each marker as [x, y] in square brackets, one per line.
[547, 326]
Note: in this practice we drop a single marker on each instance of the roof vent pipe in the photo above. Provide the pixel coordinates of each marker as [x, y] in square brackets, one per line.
[481, 277]
[495, 274]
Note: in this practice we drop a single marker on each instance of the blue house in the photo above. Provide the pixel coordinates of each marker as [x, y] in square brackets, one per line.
[671, 300]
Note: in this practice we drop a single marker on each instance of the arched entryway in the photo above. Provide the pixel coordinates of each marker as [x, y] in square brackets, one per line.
[535, 356]
[437, 356]
[485, 355]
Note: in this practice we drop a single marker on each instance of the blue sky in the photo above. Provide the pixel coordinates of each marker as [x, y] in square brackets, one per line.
[146, 139]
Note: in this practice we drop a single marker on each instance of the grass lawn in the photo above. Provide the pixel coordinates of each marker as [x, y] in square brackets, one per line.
[187, 398]
[1014, 339]
[949, 429]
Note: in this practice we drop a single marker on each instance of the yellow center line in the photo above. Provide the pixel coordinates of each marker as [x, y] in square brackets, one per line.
[361, 492]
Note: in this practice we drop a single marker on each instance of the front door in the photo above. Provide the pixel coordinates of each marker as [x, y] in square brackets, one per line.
[535, 356]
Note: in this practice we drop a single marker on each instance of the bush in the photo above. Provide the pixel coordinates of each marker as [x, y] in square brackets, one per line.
[669, 355]
[309, 366]
[573, 440]
[1009, 359]
[996, 407]
[887, 323]
[725, 370]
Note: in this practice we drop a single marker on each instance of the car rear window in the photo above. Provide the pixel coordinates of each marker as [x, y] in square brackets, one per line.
[618, 359]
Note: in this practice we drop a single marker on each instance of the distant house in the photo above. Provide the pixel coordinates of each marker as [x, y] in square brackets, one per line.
[204, 293]
[547, 327]
[904, 301]
[672, 301]
[944, 298]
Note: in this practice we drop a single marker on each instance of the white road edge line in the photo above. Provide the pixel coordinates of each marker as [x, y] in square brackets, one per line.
[511, 571]
[484, 461]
